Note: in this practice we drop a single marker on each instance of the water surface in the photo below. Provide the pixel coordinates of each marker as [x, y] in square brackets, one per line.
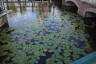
[43, 35]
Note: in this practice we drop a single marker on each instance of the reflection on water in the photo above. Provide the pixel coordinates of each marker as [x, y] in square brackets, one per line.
[43, 35]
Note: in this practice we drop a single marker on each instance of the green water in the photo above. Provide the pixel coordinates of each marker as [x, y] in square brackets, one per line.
[43, 35]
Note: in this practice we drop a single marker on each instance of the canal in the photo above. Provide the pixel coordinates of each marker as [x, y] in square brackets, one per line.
[44, 34]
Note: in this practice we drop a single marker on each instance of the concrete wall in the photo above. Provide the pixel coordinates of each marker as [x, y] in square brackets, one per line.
[84, 7]
[3, 19]
[92, 2]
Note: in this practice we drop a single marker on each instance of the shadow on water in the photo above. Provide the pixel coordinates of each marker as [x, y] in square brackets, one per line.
[44, 58]
[72, 9]
[90, 28]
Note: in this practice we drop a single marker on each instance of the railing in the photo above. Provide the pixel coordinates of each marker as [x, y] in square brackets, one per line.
[6, 3]
[15, 1]
[2, 4]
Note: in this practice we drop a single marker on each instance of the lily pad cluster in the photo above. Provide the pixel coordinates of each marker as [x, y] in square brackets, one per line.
[52, 40]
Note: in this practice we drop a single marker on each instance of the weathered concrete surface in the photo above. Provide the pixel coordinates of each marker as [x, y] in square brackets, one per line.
[3, 18]
[92, 2]
[83, 7]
